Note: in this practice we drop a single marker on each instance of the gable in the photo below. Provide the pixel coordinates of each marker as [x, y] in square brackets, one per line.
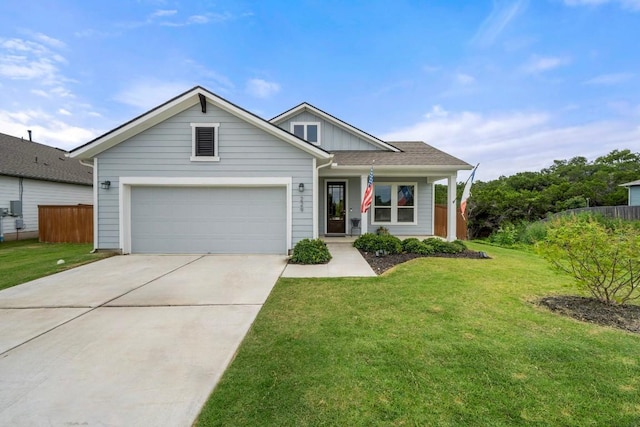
[332, 137]
[340, 135]
[167, 147]
[197, 97]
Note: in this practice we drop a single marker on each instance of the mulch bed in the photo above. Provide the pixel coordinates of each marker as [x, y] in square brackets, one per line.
[626, 317]
[380, 264]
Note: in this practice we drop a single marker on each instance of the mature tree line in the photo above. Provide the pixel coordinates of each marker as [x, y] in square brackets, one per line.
[566, 184]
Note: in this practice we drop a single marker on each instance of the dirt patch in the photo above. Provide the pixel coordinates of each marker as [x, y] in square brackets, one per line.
[380, 264]
[626, 317]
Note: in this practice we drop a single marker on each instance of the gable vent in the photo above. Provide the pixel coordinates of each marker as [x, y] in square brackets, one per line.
[205, 141]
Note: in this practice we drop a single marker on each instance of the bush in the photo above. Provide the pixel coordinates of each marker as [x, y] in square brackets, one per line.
[415, 246]
[507, 235]
[603, 258]
[533, 233]
[369, 242]
[310, 251]
[442, 247]
[383, 231]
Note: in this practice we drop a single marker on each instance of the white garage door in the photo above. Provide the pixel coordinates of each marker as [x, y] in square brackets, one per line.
[216, 220]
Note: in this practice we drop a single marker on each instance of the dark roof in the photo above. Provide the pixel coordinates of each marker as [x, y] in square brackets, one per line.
[22, 158]
[412, 153]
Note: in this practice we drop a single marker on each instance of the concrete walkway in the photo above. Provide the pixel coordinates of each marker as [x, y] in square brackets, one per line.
[127, 341]
[346, 262]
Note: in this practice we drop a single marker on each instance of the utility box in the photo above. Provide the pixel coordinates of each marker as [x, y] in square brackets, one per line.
[4, 212]
[16, 207]
[19, 224]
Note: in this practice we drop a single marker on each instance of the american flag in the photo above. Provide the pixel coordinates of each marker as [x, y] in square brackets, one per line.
[368, 194]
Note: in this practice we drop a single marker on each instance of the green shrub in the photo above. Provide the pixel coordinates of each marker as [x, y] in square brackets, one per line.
[310, 251]
[369, 242]
[532, 233]
[440, 246]
[507, 235]
[604, 258]
[383, 231]
[415, 246]
[460, 244]
[366, 242]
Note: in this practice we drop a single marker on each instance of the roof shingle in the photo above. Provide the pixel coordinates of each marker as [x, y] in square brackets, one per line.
[22, 158]
[412, 153]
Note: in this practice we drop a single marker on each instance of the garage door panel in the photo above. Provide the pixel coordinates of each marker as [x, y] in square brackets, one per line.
[208, 220]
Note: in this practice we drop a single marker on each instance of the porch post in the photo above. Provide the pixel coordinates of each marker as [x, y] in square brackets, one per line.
[364, 179]
[452, 210]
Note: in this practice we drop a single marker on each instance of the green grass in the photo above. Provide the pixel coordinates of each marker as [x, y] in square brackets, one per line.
[25, 260]
[438, 342]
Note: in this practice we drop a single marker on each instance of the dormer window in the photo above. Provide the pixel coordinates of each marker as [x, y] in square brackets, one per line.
[309, 131]
[204, 142]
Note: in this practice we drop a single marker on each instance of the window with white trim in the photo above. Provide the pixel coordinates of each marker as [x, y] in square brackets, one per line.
[309, 131]
[395, 203]
[204, 142]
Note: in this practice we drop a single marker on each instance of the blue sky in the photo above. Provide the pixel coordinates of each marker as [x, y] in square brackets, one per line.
[509, 84]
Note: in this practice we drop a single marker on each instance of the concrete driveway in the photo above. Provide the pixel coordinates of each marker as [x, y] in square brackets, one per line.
[129, 340]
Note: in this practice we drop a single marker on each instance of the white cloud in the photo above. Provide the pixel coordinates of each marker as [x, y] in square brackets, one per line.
[49, 40]
[64, 112]
[46, 128]
[262, 88]
[27, 60]
[163, 12]
[465, 79]
[146, 94]
[633, 5]
[502, 13]
[539, 64]
[610, 79]
[510, 142]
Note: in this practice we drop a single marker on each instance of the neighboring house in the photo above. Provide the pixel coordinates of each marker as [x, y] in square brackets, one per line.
[199, 174]
[33, 174]
[634, 192]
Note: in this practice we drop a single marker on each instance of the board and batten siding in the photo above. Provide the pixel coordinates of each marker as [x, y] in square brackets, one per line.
[332, 138]
[164, 150]
[34, 193]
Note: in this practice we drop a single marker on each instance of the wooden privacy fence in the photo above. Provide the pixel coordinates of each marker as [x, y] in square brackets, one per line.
[65, 224]
[440, 223]
[627, 213]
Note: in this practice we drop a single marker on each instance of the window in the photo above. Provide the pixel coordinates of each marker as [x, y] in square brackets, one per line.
[394, 204]
[204, 142]
[309, 131]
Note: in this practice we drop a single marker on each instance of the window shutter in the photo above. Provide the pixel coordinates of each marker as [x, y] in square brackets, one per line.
[205, 142]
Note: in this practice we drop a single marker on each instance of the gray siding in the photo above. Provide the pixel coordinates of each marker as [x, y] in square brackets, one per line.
[332, 137]
[165, 149]
[425, 211]
[36, 192]
[634, 195]
[424, 196]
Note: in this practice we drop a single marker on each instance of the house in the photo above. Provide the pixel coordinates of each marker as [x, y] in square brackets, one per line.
[33, 174]
[199, 174]
[634, 192]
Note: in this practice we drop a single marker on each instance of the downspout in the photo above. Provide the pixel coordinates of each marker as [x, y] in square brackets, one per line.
[95, 204]
[316, 195]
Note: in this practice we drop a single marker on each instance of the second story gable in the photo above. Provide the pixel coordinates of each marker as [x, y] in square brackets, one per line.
[326, 131]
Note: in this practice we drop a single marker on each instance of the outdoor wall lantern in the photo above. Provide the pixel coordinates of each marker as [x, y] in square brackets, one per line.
[301, 187]
[105, 185]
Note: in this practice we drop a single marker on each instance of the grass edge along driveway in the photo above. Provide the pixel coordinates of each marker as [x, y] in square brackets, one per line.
[447, 342]
[25, 260]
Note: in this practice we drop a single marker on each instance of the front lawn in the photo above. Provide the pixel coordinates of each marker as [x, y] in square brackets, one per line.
[441, 342]
[25, 260]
